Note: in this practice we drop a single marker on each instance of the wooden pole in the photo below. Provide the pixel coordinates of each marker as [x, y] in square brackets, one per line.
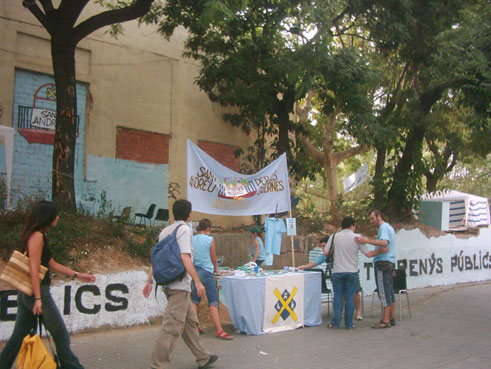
[292, 247]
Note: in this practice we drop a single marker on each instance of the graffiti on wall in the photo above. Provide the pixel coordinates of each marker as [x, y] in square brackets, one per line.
[173, 190]
[115, 300]
[129, 181]
[438, 261]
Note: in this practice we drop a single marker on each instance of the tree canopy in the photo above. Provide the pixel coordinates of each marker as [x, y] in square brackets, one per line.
[408, 78]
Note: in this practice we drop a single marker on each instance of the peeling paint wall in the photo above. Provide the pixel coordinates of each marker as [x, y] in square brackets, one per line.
[437, 261]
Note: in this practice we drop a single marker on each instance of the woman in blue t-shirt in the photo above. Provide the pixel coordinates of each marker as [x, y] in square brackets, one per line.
[205, 263]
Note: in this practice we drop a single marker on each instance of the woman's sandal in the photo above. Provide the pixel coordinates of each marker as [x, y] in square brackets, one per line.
[200, 331]
[332, 326]
[381, 324]
[224, 335]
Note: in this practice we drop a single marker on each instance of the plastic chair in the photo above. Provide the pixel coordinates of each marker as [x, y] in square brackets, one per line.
[326, 293]
[148, 215]
[124, 216]
[400, 287]
[162, 216]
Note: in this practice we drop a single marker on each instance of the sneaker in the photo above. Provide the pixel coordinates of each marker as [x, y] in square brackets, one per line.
[210, 361]
[393, 322]
[359, 318]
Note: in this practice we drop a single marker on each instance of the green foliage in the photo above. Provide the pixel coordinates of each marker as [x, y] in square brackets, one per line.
[410, 78]
[77, 235]
[106, 207]
[357, 203]
[472, 175]
[435, 64]
[142, 249]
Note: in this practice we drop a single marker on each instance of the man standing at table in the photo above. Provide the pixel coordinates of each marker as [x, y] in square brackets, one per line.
[180, 318]
[345, 271]
[384, 266]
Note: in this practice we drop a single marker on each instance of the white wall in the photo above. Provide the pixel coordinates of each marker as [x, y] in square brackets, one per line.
[437, 261]
[114, 300]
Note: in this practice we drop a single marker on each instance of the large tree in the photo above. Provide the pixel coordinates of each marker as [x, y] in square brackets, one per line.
[341, 106]
[435, 63]
[66, 31]
[257, 57]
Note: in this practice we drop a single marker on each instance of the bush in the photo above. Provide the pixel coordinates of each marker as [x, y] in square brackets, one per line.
[142, 249]
[76, 235]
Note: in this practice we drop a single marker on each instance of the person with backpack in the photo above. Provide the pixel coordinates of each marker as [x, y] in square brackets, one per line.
[180, 319]
[205, 262]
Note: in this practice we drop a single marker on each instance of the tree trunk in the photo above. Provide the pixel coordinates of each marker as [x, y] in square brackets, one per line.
[397, 206]
[431, 181]
[63, 188]
[283, 108]
[332, 185]
[379, 189]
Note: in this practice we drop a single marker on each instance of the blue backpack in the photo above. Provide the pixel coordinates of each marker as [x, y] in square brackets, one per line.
[166, 260]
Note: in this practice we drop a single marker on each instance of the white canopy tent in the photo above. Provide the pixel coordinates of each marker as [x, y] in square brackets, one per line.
[8, 137]
[465, 210]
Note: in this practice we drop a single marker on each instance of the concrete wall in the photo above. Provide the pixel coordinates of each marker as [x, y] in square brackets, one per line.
[437, 261]
[139, 81]
[115, 300]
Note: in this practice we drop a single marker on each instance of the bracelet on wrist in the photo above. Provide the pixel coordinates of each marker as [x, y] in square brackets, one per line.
[37, 298]
[150, 281]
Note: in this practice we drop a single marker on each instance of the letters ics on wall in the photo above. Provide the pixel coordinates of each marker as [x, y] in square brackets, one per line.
[142, 146]
[222, 153]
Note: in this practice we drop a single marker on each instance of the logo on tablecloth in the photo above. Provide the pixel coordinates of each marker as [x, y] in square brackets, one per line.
[286, 305]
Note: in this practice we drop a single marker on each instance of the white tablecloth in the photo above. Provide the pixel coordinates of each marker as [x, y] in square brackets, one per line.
[245, 299]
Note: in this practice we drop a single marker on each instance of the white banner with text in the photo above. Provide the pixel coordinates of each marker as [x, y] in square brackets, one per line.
[215, 189]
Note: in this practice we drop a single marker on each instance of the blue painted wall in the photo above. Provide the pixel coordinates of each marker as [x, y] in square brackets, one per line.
[32, 163]
[123, 182]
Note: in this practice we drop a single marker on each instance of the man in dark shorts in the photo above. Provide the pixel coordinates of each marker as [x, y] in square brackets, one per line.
[384, 266]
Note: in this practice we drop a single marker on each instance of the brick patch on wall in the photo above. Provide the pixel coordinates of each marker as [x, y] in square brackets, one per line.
[222, 153]
[142, 146]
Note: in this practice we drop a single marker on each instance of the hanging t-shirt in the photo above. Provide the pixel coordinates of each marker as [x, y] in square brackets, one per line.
[274, 228]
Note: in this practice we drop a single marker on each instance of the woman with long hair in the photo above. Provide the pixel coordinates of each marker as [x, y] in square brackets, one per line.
[42, 217]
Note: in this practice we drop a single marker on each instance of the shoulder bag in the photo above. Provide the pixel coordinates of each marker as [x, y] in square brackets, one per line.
[17, 272]
[330, 255]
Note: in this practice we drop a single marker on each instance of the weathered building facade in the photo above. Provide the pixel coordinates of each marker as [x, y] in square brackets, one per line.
[137, 106]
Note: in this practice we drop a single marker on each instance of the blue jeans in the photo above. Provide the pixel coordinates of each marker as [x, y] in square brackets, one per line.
[208, 281]
[344, 285]
[24, 321]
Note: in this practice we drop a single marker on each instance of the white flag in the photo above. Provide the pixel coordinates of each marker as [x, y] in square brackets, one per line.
[356, 179]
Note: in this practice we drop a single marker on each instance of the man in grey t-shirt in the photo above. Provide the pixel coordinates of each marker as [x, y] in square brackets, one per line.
[345, 271]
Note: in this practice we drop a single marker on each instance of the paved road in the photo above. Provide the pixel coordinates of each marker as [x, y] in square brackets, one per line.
[450, 328]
